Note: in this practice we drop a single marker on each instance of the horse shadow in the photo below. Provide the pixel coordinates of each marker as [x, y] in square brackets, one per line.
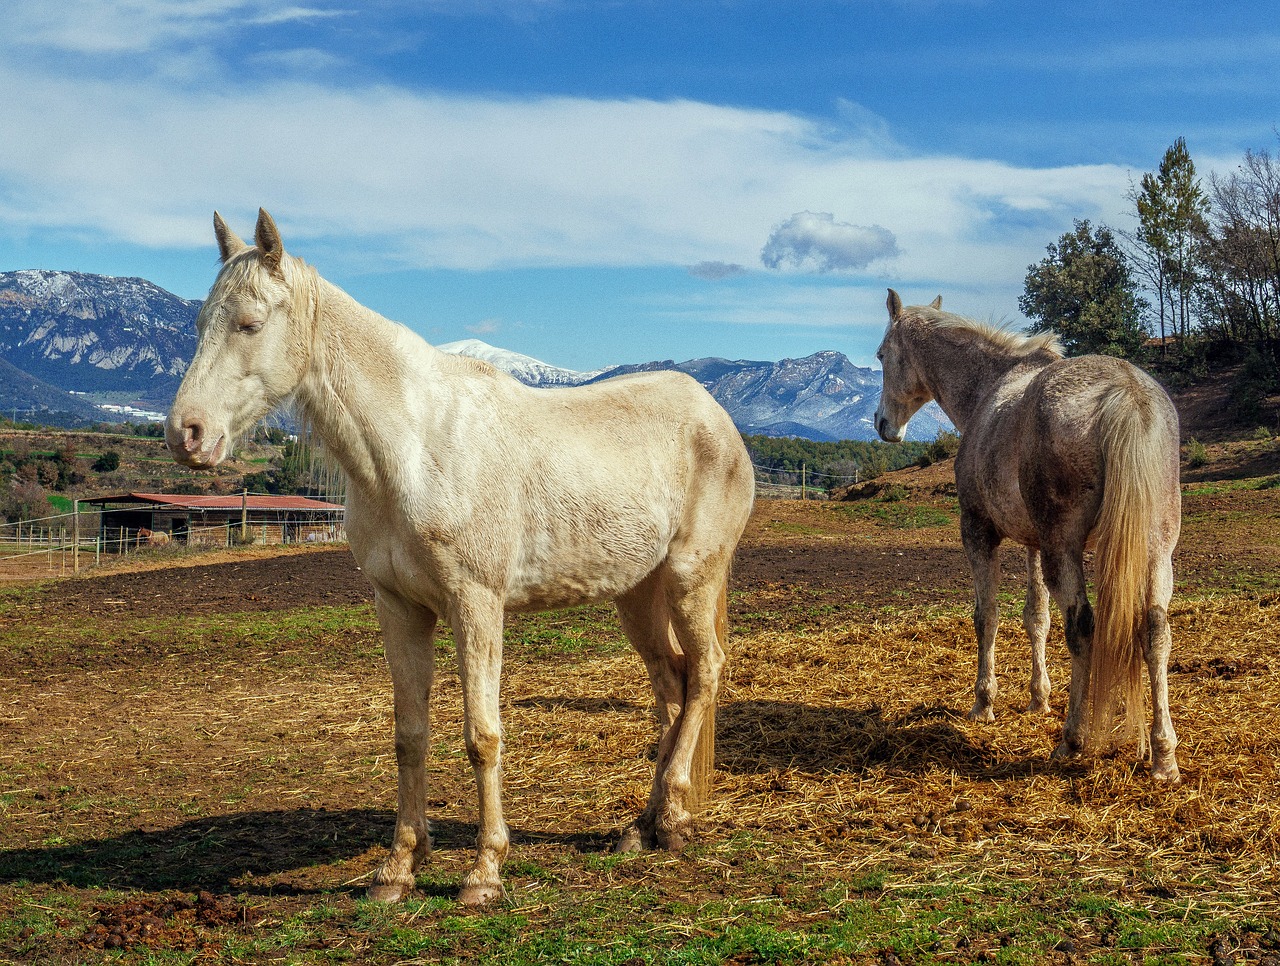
[241, 853]
[764, 737]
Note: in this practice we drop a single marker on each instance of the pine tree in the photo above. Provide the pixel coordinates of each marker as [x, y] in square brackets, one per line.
[1084, 291]
[1172, 222]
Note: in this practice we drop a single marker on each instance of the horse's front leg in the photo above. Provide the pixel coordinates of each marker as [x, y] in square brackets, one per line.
[981, 543]
[477, 626]
[408, 634]
[1035, 618]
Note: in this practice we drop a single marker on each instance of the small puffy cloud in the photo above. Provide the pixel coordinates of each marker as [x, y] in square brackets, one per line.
[815, 241]
[484, 327]
[715, 271]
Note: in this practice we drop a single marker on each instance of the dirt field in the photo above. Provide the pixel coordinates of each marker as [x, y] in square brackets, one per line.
[196, 765]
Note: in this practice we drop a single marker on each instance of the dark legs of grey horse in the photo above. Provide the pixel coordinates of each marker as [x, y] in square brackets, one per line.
[1064, 576]
[1035, 618]
[1164, 763]
[980, 545]
[409, 642]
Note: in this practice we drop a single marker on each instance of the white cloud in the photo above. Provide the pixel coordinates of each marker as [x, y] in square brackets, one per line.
[815, 241]
[400, 179]
[134, 26]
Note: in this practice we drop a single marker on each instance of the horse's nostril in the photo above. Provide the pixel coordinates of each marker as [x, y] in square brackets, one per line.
[193, 434]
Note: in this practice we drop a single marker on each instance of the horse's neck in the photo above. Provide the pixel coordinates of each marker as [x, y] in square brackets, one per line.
[355, 394]
[962, 376]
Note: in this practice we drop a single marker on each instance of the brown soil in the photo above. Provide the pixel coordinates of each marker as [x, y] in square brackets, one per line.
[224, 778]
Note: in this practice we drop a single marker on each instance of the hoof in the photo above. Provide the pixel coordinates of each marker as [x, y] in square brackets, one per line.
[1065, 749]
[674, 840]
[388, 892]
[981, 712]
[631, 841]
[475, 896]
[1039, 707]
[1166, 772]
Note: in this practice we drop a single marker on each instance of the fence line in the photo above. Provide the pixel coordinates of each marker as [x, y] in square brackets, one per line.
[25, 539]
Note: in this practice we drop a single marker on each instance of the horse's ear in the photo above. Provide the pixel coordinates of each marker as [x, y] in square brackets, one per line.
[267, 237]
[936, 303]
[228, 241]
[894, 305]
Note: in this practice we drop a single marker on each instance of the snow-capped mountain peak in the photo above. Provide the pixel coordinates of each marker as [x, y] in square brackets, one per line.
[528, 370]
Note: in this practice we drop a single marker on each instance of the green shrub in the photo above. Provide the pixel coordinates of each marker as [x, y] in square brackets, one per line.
[1197, 455]
[108, 462]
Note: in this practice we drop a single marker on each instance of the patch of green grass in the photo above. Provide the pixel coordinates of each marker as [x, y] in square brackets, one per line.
[590, 631]
[1219, 487]
[60, 504]
[901, 514]
[862, 917]
[286, 634]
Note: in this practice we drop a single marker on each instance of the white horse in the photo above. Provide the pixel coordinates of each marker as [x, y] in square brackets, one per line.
[1055, 454]
[469, 495]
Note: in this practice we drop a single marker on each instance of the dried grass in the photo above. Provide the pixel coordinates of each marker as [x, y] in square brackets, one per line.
[841, 748]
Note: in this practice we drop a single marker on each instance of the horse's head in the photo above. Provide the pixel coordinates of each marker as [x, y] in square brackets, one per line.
[254, 343]
[904, 390]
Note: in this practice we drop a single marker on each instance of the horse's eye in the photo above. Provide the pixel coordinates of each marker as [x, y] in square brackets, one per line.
[250, 325]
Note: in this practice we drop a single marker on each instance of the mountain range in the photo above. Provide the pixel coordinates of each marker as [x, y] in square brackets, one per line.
[72, 342]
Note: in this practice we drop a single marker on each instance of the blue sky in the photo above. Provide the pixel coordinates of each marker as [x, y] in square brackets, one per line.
[616, 181]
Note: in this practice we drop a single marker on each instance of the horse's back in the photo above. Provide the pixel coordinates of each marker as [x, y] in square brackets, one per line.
[1035, 456]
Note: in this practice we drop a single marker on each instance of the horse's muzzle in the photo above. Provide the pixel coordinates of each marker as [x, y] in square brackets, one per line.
[888, 432]
[188, 440]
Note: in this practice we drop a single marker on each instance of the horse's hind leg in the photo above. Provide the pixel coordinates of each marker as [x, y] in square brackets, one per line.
[408, 640]
[477, 627]
[1164, 762]
[1064, 575]
[1035, 618]
[694, 618]
[646, 620]
[694, 595]
[981, 543]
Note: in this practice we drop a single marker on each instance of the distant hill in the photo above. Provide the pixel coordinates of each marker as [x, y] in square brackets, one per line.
[821, 397]
[96, 334]
[126, 340]
[24, 397]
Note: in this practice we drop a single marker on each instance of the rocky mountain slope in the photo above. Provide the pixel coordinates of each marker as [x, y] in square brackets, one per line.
[127, 340]
[821, 397]
[96, 334]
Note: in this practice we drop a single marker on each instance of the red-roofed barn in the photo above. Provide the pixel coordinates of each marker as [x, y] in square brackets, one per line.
[220, 520]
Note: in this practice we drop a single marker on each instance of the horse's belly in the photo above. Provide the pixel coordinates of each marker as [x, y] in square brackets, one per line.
[571, 576]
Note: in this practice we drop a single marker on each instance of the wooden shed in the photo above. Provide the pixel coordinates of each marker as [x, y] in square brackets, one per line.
[216, 520]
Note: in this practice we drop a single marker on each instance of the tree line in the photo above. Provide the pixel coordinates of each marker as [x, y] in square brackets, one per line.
[788, 461]
[1197, 279]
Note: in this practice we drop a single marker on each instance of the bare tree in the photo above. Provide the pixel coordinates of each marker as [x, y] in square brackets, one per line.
[1244, 253]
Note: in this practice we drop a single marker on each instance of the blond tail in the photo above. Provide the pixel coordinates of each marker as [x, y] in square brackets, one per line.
[1131, 474]
[703, 767]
